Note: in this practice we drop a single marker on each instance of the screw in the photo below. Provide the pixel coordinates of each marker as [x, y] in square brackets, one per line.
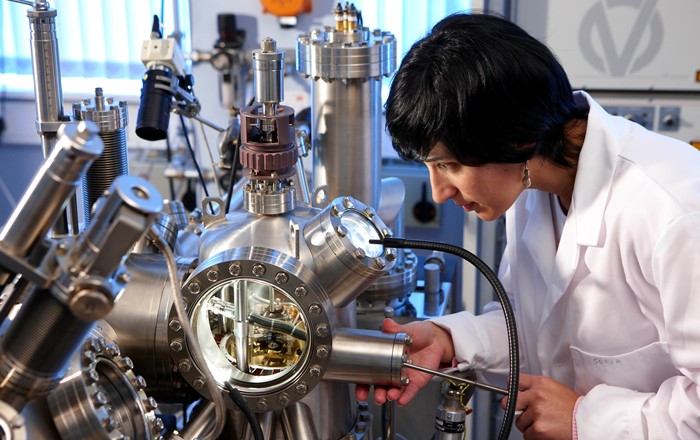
[113, 350]
[380, 262]
[336, 210]
[184, 366]
[158, 425]
[198, 384]
[283, 399]
[139, 382]
[300, 291]
[408, 341]
[150, 404]
[92, 375]
[347, 202]
[90, 356]
[124, 277]
[359, 253]
[235, 269]
[193, 288]
[315, 371]
[369, 212]
[322, 330]
[126, 363]
[341, 230]
[391, 255]
[213, 275]
[322, 352]
[175, 325]
[261, 405]
[405, 380]
[314, 309]
[100, 398]
[302, 389]
[281, 277]
[176, 345]
[258, 270]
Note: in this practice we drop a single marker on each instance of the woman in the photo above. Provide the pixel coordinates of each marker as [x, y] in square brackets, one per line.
[602, 227]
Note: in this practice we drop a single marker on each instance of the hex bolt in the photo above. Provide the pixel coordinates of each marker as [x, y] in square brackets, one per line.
[113, 350]
[408, 341]
[184, 366]
[369, 212]
[314, 309]
[347, 202]
[283, 399]
[93, 344]
[301, 388]
[360, 253]
[322, 352]
[404, 358]
[300, 291]
[150, 404]
[380, 262]
[198, 384]
[391, 255]
[193, 288]
[175, 325]
[213, 275]
[176, 345]
[336, 210]
[261, 404]
[158, 425]
[405, 380]
[281, 278]
[387, 232]
[341, 230]
[139, 383]
[126, 363]
[100, 398]
[90, 356]
[322, 330]
[92, 375]
[258, 270]
[124, 277]
[235, 269]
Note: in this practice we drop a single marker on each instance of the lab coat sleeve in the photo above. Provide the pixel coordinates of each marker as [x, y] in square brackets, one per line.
[673, 411]
[481, 341]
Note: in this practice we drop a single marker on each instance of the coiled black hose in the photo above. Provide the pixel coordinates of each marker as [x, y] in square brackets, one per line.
[247, 411]
[513, 356]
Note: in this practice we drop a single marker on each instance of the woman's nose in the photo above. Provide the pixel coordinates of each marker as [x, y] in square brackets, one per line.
[441, 189]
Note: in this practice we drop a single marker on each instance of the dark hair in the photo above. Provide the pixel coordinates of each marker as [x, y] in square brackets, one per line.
[484, 87]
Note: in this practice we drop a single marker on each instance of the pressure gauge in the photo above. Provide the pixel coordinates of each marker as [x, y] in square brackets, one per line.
[286, 8]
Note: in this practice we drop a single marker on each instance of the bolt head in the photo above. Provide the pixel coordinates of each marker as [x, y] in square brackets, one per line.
[281, 277]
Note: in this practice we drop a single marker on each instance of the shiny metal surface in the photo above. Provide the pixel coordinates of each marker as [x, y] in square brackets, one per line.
[102, 397]
[367, 357]
[346, 68]
[298, 423]
[111, 119]
[140, 319]
[12, 423]
[282, 383]
[55, 181]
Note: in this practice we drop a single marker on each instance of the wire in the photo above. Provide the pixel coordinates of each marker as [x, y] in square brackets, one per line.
[232, 177]
[247, 411]
[196, 164]
[513, 357]
[195, 351]
[211, 158]
[169, 157]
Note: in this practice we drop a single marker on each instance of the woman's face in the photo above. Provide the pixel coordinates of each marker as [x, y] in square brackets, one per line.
[489, 190]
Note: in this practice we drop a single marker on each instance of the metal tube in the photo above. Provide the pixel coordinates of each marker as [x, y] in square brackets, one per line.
[367, 357]
[241, 323]
[55, 181]
[298, 423]
[483, 386]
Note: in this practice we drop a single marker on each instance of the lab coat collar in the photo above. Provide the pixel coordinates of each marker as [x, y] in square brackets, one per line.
[595, 170]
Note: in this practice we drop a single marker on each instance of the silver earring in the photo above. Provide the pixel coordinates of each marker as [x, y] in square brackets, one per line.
[527, 182]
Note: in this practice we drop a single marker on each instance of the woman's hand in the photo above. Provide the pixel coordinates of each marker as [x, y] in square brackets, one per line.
[431, 346]
[547, 408]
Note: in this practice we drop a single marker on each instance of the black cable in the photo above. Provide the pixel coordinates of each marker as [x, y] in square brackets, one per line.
[247, 410]
[513, 356]
[169, 157]
[278, 325]
[196, 164]
[232, 177]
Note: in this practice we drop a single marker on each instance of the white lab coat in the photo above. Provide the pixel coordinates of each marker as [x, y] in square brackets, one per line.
[614, 313]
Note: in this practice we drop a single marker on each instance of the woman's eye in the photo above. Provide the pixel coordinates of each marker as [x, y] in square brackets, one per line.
[444, 166]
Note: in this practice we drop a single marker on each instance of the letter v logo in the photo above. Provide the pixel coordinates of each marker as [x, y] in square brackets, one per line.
[630, 58]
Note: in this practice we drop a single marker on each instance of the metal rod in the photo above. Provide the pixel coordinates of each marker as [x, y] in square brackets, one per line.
[483, 386]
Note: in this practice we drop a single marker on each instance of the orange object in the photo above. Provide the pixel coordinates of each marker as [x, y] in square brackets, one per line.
[286, 8]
